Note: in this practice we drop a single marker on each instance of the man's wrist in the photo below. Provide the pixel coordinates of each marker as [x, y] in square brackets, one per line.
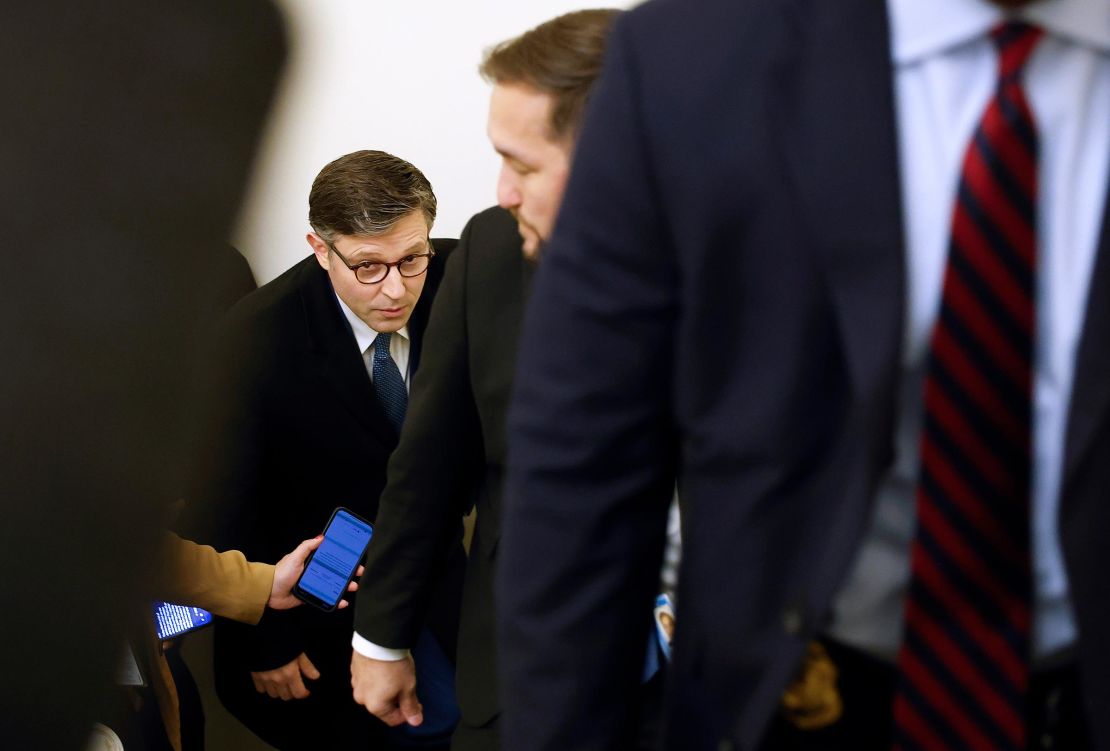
[367, 648]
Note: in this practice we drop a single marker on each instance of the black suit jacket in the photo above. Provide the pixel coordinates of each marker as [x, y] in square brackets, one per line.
[296, 430]
[723, 300]
[452, 455]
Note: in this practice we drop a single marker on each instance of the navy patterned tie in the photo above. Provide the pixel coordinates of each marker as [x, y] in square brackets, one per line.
[964, 663]
[388, 383]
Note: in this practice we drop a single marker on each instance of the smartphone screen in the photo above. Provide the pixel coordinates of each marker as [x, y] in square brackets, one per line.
[333, 565]
[172, 620]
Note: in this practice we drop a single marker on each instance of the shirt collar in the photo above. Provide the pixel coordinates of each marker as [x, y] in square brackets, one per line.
[364, 335]
[922, 29]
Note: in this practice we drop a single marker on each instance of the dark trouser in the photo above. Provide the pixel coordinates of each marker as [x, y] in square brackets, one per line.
[484, 738]
[328, 718]
[648, 736]
[866, 686]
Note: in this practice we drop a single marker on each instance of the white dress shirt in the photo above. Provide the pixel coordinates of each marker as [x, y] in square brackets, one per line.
[399, 346]
[945, 69]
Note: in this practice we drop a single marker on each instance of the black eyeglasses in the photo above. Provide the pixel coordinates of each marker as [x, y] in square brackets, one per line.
[372, 272]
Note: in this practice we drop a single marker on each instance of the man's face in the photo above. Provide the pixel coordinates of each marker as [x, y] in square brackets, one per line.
[533, 167]
[386, 305]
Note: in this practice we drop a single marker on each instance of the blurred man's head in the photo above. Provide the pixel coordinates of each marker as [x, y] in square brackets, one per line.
[541, 82]
[370, 214]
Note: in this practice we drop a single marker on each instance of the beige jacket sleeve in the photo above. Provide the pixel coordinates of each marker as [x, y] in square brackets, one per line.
[225, 583]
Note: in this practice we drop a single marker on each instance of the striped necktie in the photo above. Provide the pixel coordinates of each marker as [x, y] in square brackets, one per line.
[964, 662]
[388, 383]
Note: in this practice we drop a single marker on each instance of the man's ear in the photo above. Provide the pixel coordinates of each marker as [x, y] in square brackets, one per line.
[320, 249]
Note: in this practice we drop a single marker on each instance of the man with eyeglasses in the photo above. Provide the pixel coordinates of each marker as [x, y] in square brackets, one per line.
[312, 375]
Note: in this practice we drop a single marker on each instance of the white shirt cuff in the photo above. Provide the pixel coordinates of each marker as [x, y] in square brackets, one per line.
[369, 649]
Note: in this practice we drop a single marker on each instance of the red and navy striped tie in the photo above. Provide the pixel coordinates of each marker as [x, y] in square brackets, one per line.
[964, 663]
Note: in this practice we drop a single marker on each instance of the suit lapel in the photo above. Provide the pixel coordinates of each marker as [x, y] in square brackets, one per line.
[338, 360]
[416, 334]
[418, 321]
[1090, 397]
[838, 135]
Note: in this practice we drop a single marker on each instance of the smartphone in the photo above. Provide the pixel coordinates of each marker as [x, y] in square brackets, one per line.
[172, 620]
[331, 566]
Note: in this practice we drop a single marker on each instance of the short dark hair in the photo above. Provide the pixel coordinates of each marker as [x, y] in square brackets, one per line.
[561, 57]
[365, 193]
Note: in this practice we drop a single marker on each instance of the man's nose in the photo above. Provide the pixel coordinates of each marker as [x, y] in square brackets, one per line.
[394, 284]
[508, 193]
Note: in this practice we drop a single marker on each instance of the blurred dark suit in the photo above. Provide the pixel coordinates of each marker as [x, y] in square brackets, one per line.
[129, 128]
[723, 300]
[452, 452]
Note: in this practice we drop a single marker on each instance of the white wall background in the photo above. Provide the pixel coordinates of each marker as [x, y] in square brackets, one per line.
[395, 75]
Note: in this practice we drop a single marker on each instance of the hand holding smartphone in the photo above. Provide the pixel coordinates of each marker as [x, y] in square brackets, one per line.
[331, 567]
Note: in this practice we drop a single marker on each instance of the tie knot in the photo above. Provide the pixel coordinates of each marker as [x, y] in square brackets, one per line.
[1015, 41]
[381, 345]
